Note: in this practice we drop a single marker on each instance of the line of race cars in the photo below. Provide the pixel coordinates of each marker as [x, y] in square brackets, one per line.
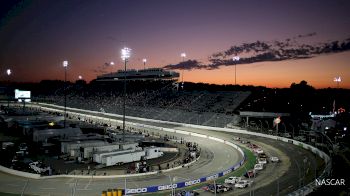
[246, 180]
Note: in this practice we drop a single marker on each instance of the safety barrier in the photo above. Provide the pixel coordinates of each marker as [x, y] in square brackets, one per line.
[19, 173]
[113, 192]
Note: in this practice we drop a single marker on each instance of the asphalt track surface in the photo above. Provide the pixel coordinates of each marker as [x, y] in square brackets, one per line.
[285, 176]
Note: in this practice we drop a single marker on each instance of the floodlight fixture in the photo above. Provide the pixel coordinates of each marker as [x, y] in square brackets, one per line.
[125, 53]
[144, 63]
[65, 64]
[337, 80]
[8, 72]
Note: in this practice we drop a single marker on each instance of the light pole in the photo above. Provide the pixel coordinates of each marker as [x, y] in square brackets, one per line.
[276, 121]
[65, 65]
[214, 187]
[261, 126]
[144, 63]
[183, 55]
[171, 185]
[125, 55]
[235, 59]
[8, 72]
[250, 190]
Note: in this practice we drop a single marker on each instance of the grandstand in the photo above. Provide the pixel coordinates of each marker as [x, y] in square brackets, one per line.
[152, 99]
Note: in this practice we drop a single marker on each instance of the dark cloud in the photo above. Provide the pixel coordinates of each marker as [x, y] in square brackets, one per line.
[186, 65]
[102, 69]
[261, 51]
[306, 35]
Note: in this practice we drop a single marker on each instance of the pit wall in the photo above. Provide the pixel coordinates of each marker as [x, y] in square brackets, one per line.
[302, 191]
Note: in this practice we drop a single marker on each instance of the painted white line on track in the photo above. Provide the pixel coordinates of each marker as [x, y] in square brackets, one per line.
[88, 184]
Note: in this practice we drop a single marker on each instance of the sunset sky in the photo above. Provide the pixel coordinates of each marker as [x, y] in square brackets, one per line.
[36, 36]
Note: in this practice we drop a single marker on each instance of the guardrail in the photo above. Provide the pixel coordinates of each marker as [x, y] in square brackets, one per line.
[302, 191]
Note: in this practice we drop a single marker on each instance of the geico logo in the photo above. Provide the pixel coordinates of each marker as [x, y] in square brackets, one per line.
[165, 187]
[192, 182]
[212, 177]
[226, 172]
[139, 190]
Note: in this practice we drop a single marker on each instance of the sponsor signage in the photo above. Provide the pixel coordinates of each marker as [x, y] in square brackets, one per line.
[212, 177]
[19, 94]
[192, 182]
[226, 172]
[166, 187]
[138, 190]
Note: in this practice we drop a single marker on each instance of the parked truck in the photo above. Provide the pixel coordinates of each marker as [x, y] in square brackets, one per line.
[122, 158]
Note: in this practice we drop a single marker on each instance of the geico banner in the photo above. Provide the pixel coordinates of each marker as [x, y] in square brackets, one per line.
[166, 187]
[192, 182]
[226, 172]
[138, 190]
[212, 177]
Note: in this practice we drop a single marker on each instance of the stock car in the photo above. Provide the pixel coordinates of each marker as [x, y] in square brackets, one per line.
[258, 167]
[185, 193]
[274, 159]
[252, 146]
[258, 150]
[208, 187]
[250, 174]
[263, 155]
[220, 188]
[262, 160]
[243, 183]
[232, 180]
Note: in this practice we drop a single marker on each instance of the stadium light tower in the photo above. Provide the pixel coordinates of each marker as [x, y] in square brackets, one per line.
[144, 63]
[337, 80]
[183, 55]
[65, 65]
[125, 55]
[8, 72]
[235, 59]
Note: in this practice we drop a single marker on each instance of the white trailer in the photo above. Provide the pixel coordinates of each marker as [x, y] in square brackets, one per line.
[66, 147]
[130, 145]
[126, 157]
[98, 157]
[89, 151]
[152, 153]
